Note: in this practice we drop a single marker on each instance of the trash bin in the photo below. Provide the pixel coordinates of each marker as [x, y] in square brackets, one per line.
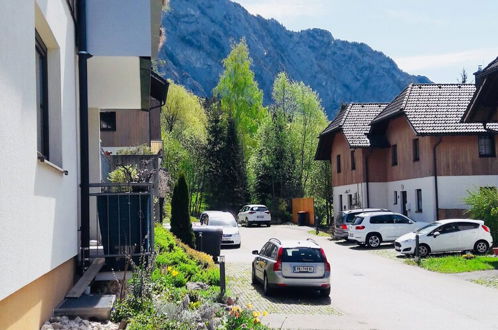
[302, 218]
[208, 240]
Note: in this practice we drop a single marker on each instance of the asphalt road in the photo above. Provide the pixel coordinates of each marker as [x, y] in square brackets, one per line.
[374, 292]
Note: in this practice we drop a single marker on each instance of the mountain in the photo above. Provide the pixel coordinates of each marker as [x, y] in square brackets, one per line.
[199, 34]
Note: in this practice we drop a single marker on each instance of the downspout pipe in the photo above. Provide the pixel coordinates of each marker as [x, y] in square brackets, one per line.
[83, 57]
[366, 177]
[434, 158]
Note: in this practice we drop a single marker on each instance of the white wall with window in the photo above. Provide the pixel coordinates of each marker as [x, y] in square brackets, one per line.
[39, 139]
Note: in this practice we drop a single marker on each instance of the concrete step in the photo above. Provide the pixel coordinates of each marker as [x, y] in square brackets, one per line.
[91, 307]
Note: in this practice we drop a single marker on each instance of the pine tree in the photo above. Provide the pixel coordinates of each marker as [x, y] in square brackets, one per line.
[181, 226]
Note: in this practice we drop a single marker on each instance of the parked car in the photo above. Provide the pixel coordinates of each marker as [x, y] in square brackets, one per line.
[254, 214]
[447, 236]
[282, 264]
[345, 218]
[231, 234]
[373, 228]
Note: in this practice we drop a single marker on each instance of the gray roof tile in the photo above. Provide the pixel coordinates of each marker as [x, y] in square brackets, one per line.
[434, 108]
[354, 120]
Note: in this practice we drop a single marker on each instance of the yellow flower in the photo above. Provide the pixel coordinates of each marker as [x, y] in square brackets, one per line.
[265, 313]
[256, 321]
[255, 314]
[249, 306]
[175, 272]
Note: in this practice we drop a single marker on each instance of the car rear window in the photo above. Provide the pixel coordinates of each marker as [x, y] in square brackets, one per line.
[357, 221]
[301, 255]
[259, 208]
[348, 218]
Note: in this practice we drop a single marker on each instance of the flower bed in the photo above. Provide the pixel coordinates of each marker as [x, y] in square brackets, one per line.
[179, 289]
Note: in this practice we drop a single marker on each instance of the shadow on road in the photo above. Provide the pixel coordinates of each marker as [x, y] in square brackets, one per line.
[294, 296]
[387, 246]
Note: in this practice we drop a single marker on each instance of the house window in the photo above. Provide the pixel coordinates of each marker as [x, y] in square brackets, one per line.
[42, 98]
[416, 151]
[394, 155]
[395, 198]
[350, 201]
[419, 200]
[338, 163]
[486, 146]
[108, 121]
[340, 202]
[353, 161]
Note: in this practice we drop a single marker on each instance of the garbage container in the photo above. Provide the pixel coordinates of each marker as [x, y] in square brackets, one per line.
[208, 240]
[302, 218]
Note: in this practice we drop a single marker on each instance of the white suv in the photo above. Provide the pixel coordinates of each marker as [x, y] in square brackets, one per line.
[373, 228]
[254, 214]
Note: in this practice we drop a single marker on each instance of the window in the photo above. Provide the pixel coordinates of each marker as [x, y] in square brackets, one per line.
[340, 202]
[379, 219]
[467, 225]
[419, 200]
[42, 98]
[486, 146]
[449, 228]
[353, 161]
[395, 198]
[302, 254]
[394, 155]
[350, 201]
[400, 219]
[416, 151]
[338, 163]
[108, 121]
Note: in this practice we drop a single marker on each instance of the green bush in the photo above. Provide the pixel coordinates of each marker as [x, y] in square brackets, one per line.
[180, 217]
[484, 206]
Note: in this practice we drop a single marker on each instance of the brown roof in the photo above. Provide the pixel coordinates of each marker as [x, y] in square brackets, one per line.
[433, 109]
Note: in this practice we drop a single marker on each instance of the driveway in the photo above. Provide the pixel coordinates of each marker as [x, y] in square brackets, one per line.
[369, 291]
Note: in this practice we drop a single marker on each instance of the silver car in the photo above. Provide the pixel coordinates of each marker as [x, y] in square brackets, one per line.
[282, 264]
[346, 218]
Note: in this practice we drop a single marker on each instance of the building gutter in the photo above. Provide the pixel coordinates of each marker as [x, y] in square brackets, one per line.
[367, 178]
[83, 57]
[434, 158]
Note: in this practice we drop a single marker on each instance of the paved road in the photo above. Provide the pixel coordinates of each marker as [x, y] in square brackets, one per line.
[369, 291]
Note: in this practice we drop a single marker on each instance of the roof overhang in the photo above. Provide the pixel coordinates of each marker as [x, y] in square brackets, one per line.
[483, 105]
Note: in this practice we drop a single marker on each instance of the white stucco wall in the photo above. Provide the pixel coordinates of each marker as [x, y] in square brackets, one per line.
[454, 189]
[114, 82]
[346, 190]
[38, 204]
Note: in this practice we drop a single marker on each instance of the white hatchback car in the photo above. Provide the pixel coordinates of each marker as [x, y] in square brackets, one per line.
[254, 214]
[373, 228]
[447, 236]
[231, 234]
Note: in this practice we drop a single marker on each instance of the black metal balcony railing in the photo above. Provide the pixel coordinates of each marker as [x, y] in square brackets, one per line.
[121, 224]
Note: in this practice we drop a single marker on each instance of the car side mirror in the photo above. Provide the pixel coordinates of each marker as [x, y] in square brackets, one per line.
[411, 222]
[436, 234]
[255, 252]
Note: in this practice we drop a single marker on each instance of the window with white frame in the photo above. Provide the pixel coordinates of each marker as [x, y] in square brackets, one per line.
[42, 111]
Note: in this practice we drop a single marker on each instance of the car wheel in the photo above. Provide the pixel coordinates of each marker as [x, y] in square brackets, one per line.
[248, 224]
[254, 280]
[266, 287]
[373, 241]
[423, 250]
[268, 224]
[325, 292]
[481, 247]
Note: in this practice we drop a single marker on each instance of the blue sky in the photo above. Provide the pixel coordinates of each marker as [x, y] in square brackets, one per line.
[435, 38]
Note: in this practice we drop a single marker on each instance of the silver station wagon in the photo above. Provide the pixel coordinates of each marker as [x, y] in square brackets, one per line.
[282, 264]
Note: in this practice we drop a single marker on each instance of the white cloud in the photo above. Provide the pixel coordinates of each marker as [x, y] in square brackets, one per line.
[283, 9]
[414, 17]
[468, 58]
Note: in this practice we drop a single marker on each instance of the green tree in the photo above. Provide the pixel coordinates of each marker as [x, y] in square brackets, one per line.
[240, 95]
[225, 167]
[484, 206]
[181, 226]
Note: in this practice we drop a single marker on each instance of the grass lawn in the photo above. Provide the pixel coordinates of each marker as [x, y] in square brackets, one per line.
[320, 233]
[489, 282]
[457, 264]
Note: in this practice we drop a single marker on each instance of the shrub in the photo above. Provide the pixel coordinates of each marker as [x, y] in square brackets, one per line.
[180, 218]
[484, 206]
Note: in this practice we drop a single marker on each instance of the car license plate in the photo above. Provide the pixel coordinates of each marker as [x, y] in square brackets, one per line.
[260, 217]
[350, 234]
[304, 269]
